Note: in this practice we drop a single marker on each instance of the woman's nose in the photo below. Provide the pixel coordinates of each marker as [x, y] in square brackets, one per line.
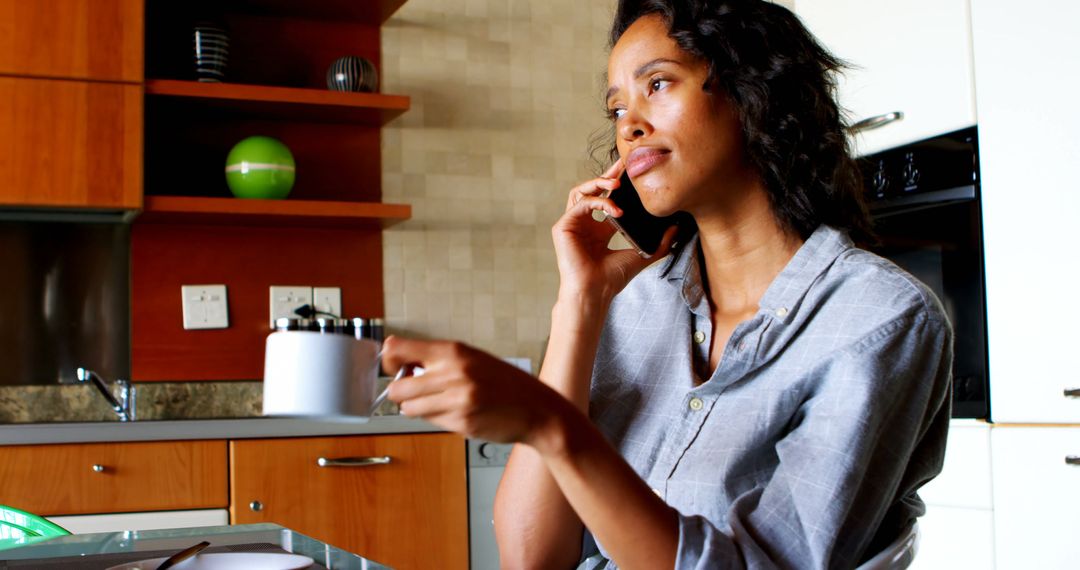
[634, 125]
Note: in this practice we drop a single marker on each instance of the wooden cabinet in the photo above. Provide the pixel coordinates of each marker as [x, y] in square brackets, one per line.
[75, 39]
[1029, 149]
[912, 57]
[70, 143]
[114, 477]
[408, 513]
[1036, 504]
[71, 108]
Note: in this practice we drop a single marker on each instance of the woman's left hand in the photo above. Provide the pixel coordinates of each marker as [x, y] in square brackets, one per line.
[468, 391]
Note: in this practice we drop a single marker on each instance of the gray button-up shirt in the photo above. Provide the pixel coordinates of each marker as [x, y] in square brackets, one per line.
[806, 445]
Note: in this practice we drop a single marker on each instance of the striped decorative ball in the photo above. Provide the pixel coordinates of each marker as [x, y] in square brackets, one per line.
[260, 167]
[210, 46]
[352, 73]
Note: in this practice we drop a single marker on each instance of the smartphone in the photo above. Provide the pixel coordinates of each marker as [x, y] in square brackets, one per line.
[643, 230]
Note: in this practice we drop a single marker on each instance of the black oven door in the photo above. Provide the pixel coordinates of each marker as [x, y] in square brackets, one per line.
[940, 243]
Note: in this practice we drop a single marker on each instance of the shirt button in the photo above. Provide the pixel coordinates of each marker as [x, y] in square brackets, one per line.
[699, 337]
[781, 312]
[696, 404]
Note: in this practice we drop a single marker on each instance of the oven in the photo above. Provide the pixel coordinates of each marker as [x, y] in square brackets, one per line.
[924, 199]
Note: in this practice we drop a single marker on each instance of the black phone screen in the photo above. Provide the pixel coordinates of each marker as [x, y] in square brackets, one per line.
[642, 229]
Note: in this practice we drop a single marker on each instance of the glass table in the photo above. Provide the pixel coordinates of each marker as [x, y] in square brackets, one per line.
[179, 538]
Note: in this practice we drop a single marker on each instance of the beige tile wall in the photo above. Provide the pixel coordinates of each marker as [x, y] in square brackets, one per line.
[505, 95]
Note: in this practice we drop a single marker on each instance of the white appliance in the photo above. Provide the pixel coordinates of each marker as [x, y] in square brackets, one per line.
[486, 462]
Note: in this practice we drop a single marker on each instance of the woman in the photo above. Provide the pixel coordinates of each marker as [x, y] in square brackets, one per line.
[767, 396]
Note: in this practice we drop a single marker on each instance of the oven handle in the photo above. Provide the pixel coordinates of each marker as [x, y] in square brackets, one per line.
[876, 122]
[1072, 392]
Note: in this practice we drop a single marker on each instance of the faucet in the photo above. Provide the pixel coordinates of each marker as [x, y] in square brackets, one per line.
[125, 406]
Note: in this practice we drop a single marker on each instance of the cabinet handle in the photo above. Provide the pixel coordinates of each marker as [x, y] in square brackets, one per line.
[98, 468]
[876, 122]
[1072, 460]
[1072, 392]
[353, 461]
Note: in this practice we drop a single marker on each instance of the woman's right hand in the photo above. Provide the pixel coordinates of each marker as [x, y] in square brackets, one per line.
[587, 268]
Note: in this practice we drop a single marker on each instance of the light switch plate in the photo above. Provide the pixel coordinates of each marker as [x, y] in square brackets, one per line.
[205, 307]
[285, 299]
[328, 300]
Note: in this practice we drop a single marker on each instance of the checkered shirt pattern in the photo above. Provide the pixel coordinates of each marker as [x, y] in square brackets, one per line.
[806, 445]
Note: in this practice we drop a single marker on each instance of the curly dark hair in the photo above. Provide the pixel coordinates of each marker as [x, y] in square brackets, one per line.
[782, 83]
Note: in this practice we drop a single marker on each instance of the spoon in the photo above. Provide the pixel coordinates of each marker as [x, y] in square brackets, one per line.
[183, 555]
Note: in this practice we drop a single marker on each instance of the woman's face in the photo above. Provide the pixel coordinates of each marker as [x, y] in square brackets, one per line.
[681, 144]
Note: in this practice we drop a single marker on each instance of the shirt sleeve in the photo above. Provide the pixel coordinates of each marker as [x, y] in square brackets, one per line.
[868, 436]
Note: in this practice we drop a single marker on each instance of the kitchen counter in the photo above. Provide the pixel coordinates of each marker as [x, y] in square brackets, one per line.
[246, 428]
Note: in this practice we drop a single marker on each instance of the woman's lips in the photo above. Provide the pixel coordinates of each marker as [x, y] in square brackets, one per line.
[642, 160]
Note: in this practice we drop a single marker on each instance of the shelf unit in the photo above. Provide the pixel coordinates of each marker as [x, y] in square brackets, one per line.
[280, 103]
[191, 230]
[281, 213]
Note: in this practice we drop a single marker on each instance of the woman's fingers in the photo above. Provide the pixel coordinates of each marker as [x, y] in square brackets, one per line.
[588, 204]
[427, 405]
[417, 386]
[398, 352]
[597, 186]
[614, 171]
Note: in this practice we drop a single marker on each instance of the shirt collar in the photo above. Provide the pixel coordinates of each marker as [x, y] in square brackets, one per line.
[781, 300]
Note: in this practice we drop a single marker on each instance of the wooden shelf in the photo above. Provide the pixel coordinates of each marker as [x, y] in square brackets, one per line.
[290, 213]
[372, 12]
[282, 103]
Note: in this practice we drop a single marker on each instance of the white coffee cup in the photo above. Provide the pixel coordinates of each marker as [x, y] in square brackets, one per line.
[326, 376]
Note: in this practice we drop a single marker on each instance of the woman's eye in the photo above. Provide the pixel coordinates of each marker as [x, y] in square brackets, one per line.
[617, 114]
[658, 84]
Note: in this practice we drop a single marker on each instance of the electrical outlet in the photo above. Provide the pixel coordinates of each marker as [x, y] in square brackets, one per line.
[327, 300]
[285, 299]
[205, 306]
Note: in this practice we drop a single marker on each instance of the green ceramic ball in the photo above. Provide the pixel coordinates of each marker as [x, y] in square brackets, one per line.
[260, 167]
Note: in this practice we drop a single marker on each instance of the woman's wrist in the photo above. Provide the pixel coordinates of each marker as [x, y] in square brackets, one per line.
[551, 425]
[585, 303]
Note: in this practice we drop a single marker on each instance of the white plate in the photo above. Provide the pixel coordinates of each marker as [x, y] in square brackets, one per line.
[227, 561]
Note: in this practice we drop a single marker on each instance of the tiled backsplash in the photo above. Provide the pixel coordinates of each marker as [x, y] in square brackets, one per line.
[505, 95]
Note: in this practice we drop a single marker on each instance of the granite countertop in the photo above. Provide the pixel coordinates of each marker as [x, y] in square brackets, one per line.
[169, 411]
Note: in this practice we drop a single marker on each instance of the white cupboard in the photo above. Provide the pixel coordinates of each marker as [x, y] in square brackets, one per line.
[911, 57]
[1036, 503]
[957, 530]
[952, 538]
[1027, 64]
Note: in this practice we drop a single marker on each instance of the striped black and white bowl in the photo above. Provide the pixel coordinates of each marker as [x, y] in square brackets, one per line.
[210, 45]
[352, 73]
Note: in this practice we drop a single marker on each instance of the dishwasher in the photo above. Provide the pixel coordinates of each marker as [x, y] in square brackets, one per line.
[486, 461]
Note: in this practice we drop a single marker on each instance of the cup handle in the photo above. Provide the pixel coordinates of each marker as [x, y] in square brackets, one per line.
[406, 370]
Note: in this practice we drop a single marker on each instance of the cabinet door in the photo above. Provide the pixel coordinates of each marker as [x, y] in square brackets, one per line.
[70, 143]
[952, 537]
[408, 513]
[75, 39]
[964, 481]
[114, 477]
[1036, 506]
[1029, 146]
[913, 57]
